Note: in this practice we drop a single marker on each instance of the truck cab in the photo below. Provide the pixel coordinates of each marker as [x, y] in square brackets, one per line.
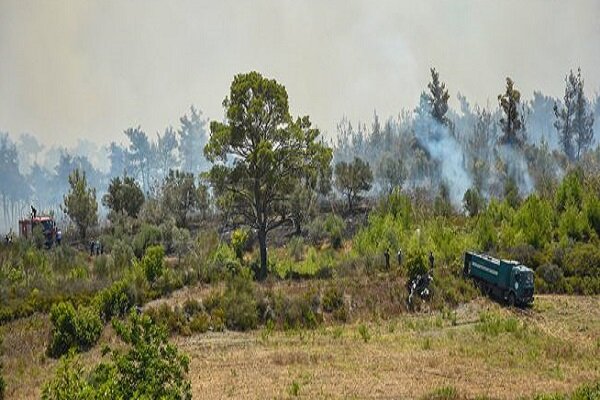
[521, 285]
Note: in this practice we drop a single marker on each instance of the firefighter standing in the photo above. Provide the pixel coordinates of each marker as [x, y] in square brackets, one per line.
[386, 254]
[431, 261]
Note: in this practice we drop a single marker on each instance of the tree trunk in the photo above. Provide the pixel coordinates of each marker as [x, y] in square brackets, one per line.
[262, 243]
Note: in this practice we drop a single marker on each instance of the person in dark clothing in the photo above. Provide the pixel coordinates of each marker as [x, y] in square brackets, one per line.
[399, 257]
[431, 260]
[33, 212]
[92, 246]
[386, 254]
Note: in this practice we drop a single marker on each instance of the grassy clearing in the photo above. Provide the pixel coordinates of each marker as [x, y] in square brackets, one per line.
[478, 349]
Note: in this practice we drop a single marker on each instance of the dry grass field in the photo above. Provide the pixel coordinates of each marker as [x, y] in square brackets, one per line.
[479, 350]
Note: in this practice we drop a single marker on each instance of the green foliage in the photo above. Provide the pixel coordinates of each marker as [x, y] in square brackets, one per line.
[443, 393]
[80, 203]
[333, 299]
[124, 197]
[399, 206]
[573, 224]
[364, 333]
[239, 302]
[153, 263]
[417, 263]
[353, 178]
[115, 301]
[534, 221]
[295, 248]
[151, 367]
[149, 235]
[391, 173]
[180, 195]
[570, 191]
[275, 152]
[69, 382]
[334, 227]
[239, 241]
[223, 261]
[512, 121]
[485, 231]
[73, 329]
[592, 211]
[583, 260]
[147, 368]
[473, 202]
[494, 324]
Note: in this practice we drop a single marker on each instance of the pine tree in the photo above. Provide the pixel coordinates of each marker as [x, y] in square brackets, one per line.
[511, 123]
[583, 120]
[564, 117]
[575, 118]
[438, 98]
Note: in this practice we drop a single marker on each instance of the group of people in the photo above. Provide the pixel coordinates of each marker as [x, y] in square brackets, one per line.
[386, 254]
[96, 248]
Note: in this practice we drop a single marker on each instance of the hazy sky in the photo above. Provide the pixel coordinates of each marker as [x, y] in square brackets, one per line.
[90, 69]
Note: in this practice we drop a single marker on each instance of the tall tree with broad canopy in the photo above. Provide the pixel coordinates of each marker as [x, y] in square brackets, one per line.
[259, 154]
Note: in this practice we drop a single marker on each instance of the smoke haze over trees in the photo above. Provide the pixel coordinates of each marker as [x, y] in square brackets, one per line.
[515, 146]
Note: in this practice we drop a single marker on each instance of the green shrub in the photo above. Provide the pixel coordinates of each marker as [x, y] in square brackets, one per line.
[294, 312]
[223, 262]
[493, 324]
[333, 299]
[116, 300]
[443, 393]
[417, 263]
[153, 262]
[364, 333]
[239, 303]
[200, 323]
[552, 276]
[295, 248]
[69, 381]
[573, 224]
[239, 241]
[78, 329]
[150, 368]
[122, 254]
[172, 319]
[534, 219]
[334, 226]
[149, 235]
[583, 260]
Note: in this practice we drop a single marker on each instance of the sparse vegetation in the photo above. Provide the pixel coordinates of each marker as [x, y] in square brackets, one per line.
[266, 248]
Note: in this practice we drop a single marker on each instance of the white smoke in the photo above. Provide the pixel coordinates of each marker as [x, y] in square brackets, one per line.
[443, 148]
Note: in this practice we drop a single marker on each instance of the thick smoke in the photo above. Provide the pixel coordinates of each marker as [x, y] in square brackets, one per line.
[444, 150]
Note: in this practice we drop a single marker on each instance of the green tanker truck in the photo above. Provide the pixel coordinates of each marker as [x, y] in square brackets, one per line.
[504, 279]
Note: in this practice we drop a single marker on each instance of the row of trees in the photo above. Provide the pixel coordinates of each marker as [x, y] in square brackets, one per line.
[34, 174]
[269, 168]
[519, 144]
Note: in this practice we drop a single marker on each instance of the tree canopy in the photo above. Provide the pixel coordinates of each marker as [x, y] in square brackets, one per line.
[258, 154]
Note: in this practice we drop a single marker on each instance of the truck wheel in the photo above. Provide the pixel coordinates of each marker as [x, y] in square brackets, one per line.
[511, 299]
